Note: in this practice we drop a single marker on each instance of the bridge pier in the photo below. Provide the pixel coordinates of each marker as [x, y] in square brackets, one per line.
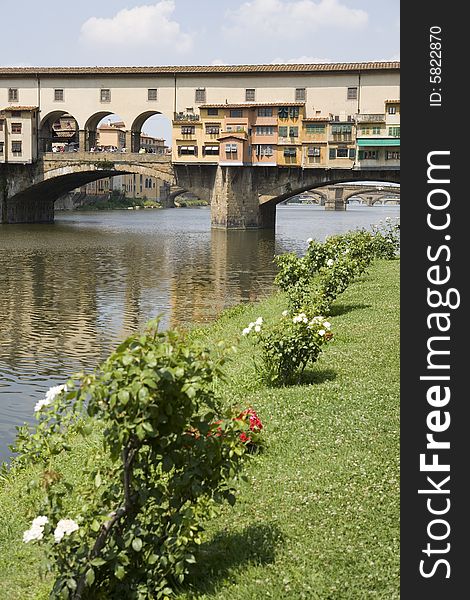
[334, 199]
[235, 201]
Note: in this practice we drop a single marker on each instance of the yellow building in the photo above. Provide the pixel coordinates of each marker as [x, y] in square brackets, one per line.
[18, 134]
[378, 138]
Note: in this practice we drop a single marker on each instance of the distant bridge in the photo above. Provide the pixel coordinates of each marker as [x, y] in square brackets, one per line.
[241, 197]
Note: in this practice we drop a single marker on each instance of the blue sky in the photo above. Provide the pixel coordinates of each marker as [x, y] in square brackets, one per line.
[163, 32]
[129, 32]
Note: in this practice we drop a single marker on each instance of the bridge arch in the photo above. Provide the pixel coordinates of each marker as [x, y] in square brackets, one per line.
[47, 133]
[370, 190]
[138, 123]
[90, 127]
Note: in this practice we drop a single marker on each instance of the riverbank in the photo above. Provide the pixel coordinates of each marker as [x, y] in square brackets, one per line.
[319, 516]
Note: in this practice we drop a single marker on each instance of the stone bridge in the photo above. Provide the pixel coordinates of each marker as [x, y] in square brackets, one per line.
[240, 197]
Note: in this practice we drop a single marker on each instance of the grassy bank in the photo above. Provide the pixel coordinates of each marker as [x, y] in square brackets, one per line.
[319, 516]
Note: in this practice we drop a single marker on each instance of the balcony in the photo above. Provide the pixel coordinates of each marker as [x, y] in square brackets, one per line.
[185, 117]
[370, 118]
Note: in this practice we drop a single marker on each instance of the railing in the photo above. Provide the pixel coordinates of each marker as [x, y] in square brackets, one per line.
[368, 118]
[186, 117]
[112, 157]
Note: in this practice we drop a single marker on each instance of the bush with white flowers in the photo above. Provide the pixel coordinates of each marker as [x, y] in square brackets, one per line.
[289, 345]
[161, 470]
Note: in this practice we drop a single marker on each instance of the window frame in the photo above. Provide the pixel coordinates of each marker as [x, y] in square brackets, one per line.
[19, 144]
[13, 95]
[105, 95]
[351, 93]
[152, 92]
[200, 95]
[252, 93]
[300, 94]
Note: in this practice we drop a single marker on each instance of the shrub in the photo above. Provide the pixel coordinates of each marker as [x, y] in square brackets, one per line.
[289, 345]
[138, 517]
[386, 239]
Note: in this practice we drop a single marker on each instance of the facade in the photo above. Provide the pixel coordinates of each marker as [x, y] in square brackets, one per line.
[18, 134]
[280, 134]
[135, 93]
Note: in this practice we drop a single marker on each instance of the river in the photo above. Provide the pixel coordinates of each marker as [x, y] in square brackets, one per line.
[69, 292]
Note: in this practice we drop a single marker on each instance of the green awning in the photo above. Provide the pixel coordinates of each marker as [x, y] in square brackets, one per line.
[378, 142]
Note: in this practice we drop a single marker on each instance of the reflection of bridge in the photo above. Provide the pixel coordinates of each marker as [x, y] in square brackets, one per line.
[240, 197]
[338, 196]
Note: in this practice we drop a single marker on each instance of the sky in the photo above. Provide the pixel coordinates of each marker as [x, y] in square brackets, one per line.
[196, 32]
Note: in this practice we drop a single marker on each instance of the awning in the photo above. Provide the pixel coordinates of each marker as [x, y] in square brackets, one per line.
[378, 142]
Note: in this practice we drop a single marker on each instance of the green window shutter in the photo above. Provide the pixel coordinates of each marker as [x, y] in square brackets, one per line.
[332, 153]
[352, 152]
[283, 131]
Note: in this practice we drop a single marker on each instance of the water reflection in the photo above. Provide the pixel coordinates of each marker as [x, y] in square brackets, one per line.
[69, 292]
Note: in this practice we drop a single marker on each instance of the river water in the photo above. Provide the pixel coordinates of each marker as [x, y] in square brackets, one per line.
[69, 292]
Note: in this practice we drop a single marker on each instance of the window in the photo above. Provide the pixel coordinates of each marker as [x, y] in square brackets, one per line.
[283, 112]
[315, 128]
[300, 95]
[200, 95]
[1, 125]
[365, 130]
[368, 154]
[188, 130]
[265, 112]
[210, 150]
[213, 112]
[264, 150]
[105, 95]
[212, 129]
[236, 112]
[293, 132]
[352, 153]
[1, 147]
[58, 95]
[392, 155]
[352, 93]
[187, 150]
[395, 131]
[250, 94]
[231, 148]
[16, 148]
[341, 153]
[13, 95]
[290, 152]
[16, 127]
[332, 153]
[283, 131]
[294, 112]
[313, 151]
[267, 130]
[376, 130]
[392, 110]
[152, 94]
[341, 128]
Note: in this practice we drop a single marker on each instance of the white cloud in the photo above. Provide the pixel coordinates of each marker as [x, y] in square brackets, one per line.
[142, 27]
[301, 60]
[291, 19]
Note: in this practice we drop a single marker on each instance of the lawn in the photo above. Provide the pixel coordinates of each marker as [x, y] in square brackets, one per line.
[318, 518]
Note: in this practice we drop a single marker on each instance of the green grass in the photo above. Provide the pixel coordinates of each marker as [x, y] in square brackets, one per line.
[318, 518]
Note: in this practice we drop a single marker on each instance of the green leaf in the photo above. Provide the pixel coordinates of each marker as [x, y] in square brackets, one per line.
[119, 572]
[98, 562]
[90, 577]
[123, 396]
[137, 544]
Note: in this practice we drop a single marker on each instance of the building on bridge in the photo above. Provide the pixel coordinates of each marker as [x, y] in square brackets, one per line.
[18, 134]
[279, 134]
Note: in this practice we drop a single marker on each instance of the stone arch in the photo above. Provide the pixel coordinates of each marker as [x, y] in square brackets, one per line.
[47, 133]
[366, 190]
[90, 127]
[136, 127]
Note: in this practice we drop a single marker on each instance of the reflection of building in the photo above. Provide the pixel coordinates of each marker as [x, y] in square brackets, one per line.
[18, 134]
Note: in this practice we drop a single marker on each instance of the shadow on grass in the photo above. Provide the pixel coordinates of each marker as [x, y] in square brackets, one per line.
[342, 309]
[310, 376]
[226, 552]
